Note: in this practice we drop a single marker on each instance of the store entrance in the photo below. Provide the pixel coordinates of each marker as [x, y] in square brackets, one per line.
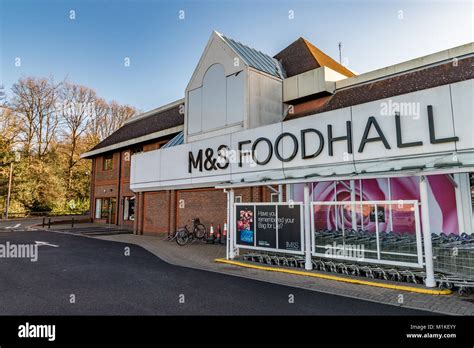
[109, 210]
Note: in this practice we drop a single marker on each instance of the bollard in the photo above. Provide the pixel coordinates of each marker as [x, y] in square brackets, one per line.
[49, 222]
[43, 222]
[72, 223]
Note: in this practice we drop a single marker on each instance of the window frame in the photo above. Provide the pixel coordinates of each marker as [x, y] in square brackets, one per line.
[106, 203]
[98, 208]
[108, 159]
[128, 214]
[275, 194]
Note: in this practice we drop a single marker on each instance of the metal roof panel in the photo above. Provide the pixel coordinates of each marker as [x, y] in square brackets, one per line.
[177, 140]
[255, 58]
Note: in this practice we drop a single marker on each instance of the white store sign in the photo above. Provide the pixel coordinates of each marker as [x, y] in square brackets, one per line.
[422, 124]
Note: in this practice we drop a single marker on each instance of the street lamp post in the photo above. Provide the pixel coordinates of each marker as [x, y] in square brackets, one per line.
[10, 178]
[7, 205]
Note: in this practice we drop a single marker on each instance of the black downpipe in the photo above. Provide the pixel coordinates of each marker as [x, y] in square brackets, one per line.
[118, 189]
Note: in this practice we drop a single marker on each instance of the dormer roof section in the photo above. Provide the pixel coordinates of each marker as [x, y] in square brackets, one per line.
[235, 57]
[302, 56]
[256, 59]
[217, 51]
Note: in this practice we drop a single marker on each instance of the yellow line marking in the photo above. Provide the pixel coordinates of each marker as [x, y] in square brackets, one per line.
[340, 279]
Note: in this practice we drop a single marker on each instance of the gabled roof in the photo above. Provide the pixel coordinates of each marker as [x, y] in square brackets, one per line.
[255, 59]
[302, 56]
[386, 87]
[148, 126]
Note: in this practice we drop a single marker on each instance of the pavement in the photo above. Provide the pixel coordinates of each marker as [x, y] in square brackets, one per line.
[32, 222]
[79, 275]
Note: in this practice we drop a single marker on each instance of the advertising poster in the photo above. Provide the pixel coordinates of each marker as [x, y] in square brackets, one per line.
[442, 198]
[244, 217]
[266, 226]
[289, 227]
[380, 214]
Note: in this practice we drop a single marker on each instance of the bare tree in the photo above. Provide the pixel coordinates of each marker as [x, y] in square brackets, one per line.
[118, 115]
[97, 125]
[34, 100]
[23, 103]
[76, 115]
[52, 124]
[108, 117]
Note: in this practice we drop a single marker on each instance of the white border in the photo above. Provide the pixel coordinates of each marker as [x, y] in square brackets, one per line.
[241, 246]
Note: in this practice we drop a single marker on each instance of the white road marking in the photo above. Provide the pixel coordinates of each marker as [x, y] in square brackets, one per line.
[16, 226]
[44, 243]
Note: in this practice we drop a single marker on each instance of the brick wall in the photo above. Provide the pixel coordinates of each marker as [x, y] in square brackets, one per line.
[156, 212]
[165, 211]
[209, 205]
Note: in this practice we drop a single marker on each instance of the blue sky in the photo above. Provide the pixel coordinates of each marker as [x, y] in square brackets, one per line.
[164, 49]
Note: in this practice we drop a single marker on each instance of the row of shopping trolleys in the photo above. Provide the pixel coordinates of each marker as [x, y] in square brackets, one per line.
[452, 253]
[390, 237]
[463, 285]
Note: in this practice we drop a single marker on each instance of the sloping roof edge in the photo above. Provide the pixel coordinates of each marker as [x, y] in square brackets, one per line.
[324, 60]
[154, 111]
[254, 58]
[133, 141]
[159, 122]
[437, 74]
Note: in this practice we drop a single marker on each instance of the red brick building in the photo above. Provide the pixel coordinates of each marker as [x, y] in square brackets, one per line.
[112, 200]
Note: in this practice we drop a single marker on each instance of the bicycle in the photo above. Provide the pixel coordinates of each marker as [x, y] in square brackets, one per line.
[184, 236]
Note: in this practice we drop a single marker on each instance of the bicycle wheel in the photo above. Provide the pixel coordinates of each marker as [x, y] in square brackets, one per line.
[200, 231]
[182, 237]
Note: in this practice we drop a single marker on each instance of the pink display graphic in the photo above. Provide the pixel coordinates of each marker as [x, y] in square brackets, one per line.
[398, 217]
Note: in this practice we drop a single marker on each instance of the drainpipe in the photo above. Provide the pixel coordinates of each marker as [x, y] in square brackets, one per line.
[92, 202]
[425, 216]
[119, 201]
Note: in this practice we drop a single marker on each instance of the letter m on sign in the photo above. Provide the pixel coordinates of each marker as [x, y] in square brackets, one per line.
[195, 163]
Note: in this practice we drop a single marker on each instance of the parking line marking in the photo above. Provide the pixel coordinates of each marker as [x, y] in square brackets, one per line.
[340, 279]
[10, 227]
[47, 244]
